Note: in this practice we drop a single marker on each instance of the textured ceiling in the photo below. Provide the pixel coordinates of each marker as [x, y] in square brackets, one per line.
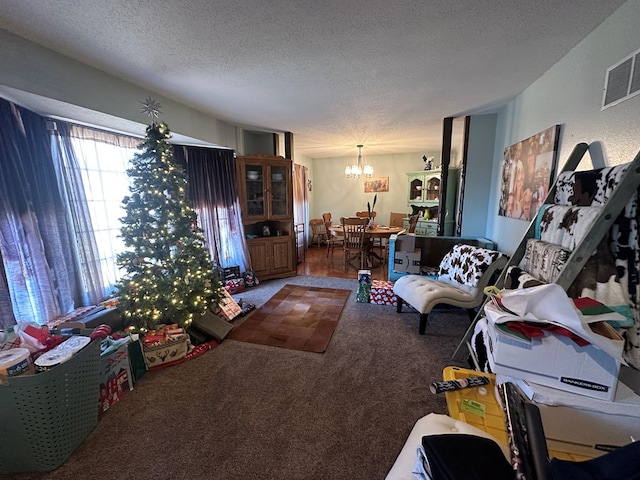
[335, 73]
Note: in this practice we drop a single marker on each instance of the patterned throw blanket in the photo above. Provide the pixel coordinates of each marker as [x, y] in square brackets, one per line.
[611, 275]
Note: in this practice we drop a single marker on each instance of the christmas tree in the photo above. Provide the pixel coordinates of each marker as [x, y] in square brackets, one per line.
[169, 275]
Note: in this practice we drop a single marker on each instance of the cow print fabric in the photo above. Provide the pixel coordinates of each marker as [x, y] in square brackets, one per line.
[612, 272]
[544, 260]
[465, 264]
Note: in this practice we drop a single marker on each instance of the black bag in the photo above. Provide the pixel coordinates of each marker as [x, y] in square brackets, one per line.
[212, 326]
[469, 457]
[136, 359]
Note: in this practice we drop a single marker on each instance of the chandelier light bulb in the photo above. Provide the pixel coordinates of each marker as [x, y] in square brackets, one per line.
[357, 169]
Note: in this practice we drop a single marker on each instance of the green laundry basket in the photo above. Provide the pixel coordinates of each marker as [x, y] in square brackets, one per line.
[46, 416]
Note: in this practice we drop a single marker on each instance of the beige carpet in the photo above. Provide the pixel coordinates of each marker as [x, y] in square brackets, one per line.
[296, 317]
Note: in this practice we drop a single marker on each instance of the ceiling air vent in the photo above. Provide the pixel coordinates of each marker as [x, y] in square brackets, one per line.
[623, 80]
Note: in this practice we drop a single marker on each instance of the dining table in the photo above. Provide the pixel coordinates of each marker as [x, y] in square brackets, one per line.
[378, 231]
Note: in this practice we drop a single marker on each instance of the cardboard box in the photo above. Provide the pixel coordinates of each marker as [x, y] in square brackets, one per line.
[584, 425]
[555, 361]
[406, 242]
[407, 262]
[382, 293]
[117, 378]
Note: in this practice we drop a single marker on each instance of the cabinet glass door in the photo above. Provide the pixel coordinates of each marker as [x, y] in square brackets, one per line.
[255, 185]
[279, 181]
[433, 189]
[415, 190]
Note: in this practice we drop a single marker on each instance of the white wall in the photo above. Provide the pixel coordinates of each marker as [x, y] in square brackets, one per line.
[333, 192]
[29, 67]
[570, 94]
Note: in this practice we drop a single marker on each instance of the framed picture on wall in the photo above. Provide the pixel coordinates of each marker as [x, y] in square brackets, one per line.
[528, 169]
[375, 185]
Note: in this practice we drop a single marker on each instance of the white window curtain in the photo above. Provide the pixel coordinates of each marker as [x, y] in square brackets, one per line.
[37, 280]
[92, 174]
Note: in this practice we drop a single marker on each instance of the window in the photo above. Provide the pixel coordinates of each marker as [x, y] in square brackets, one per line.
[103, 159]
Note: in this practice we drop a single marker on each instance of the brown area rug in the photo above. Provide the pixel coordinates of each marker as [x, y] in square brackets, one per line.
[297, 317]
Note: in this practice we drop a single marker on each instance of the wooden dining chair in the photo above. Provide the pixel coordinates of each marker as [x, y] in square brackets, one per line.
[318, 232]
[354, 243]
[413, 222]
[376, 242]
[332, 238]
[397, 219]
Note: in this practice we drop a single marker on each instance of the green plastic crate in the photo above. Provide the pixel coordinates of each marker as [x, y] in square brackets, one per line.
[47, 416]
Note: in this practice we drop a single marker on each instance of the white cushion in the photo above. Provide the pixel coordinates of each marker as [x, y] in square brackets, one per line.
[432, 424]
[463, 274]
[423, 293]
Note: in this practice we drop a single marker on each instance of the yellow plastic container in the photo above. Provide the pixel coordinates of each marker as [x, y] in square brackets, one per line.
[479, 407]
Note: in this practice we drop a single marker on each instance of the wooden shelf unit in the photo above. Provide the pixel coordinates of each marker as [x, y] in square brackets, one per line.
[265, 188]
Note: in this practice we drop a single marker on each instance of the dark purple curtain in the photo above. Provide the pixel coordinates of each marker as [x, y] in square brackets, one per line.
[211, 178]
[34, 240]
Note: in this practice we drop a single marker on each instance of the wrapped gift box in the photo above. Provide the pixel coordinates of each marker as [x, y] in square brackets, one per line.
[231, 272]
[382, 293]
[167, 345]
[364, 286]
[228, 307]
[364, 291]
[162, 354]
[234, 285]
[117, 378]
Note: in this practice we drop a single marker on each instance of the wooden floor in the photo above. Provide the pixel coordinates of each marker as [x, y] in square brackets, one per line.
[316, 263]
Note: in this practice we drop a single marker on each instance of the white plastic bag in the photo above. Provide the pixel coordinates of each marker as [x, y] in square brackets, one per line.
[549, 303]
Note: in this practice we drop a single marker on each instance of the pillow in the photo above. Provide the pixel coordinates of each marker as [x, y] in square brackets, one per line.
[517, 278]
[465, 264]
[544, 260]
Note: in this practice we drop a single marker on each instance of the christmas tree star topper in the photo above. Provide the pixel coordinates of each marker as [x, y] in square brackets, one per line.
[151, 107]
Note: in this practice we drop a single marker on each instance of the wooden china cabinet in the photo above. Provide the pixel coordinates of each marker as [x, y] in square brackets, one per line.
[266, 199]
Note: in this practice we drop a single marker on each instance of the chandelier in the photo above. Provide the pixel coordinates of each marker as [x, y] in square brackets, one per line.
[357, 169]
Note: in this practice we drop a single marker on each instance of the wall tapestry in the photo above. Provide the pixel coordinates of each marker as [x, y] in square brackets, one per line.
[528, 169]
[374, 185]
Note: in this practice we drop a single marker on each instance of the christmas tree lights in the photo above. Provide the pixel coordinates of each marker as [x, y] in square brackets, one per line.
[169, 275]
